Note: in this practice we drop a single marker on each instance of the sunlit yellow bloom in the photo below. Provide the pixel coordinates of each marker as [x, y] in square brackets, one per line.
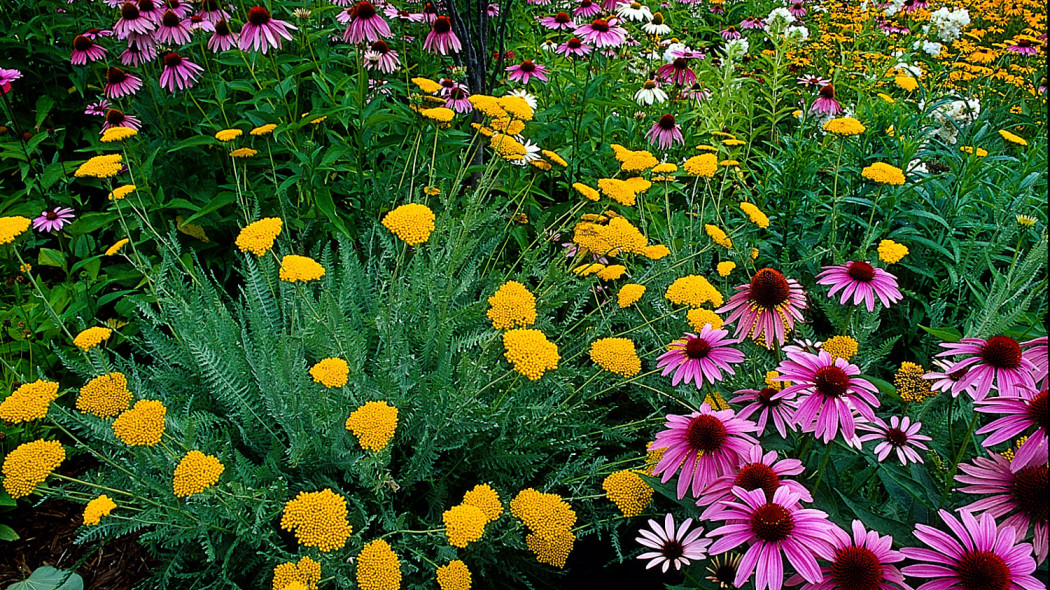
[228, 134]
[114, 134]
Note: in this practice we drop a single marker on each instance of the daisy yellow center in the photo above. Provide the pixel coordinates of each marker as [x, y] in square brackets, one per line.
[258, 16]
[1039, 410]
[705, 434]
[758, 476]
[769, 288]
[1028, 490]
[831, 381]
[861, 271]
[772, 523]
[1001, 352]
[983, 570]
[856, 568]
[697, 348]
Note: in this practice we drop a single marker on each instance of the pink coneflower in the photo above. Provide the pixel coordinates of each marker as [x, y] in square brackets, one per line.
[678, 71]
[150, 10]
[1024, 47]
[365, 24]
[141, 50]
[861, 563]
[602, 33]
[831, 387]
[706, 445]
[752, 24]
[526, 71]
[665, 133]
[94, 33]
[574, 46]
[1038, 353]
[97, 108]
[53, 219]
[986, 556]
[899, 435]
[1018, 414]
[587, 9]
[213, 11]
[697, 358]
[775, 529]
[730, 33]
[181, 9]
[116, 118]
[85, 50]
[223, 39]
[392, 11]
[6, 77]
[558, 22]
[760, 471]
[172, 30]
[197, 23]
[826, 104]
[428, 15]
[946, 380]
[797, 10]
[379, 56]
[767, 307]
[457, 100]
[914, 5]
[892, 29]
[812, 80]
[263, 31]
[492, 10]
[132, 21]
[997, 361]
[179, 73]
[770, 403]
[1016, 489]
[863, 282]
[612, 5]
[441, 39]
[670, 546]
[120, 83]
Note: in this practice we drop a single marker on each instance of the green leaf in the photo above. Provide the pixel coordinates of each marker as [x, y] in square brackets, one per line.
[7, 533]
[49, 257]
[884, 387]
[49, 578]
[44, 105]
[946, 334]
[324, 202]
[218, 202]
[193, 141]
[90, 222]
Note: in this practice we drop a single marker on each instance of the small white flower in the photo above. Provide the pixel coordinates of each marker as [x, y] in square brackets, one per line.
[796, 34]
[649, 93]
[778, 19]
[634, 11]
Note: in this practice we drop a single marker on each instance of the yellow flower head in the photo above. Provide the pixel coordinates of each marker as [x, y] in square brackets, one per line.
[121, 192]
[512, 306]
[464, 524]
[629, 295]
[142, 425]
[487, 105]
[264, 129]
[612, 272]
[638, 185]
[1026, 220]
[106, 166]
[704, 165]
[195, 473]
[726, 267]
[733, 142]
[656, 251]
[883, 173]
[427, 85]
[373, 424]
[114, 134]
[507, 147]
[244, 152]
[886, 97]
[755, 214]
[718, 236]
[92, 337]
[638, 162]
[29, 465]
[699, 317]
[413, 223]
[554, 158]
[588, 192]
[616, 355]
[552, 549]
[530, 352]
[694, 291]
[104, 396]
[228, 134]
[486, 499]
[318, 519]
[544, 514]
[911, 385]
[12, 227]
[891, 252]
[1016, 139]
[617, 190]
[842, 347]
[454, 576]
[300, 269]
[331, 372]
[306, 572]
[516, 107]
[378, 567]
[116, 247]
[97, 508]
[439, 114]
[628, 491]
[29, 402]
[844, 126]
[258, 237]
[586, 270]
[969, 149]
[906, 83]
[665, 168]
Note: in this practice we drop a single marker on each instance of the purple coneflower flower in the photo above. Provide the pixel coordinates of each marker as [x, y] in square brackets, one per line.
[558, 22]
[945, 380]
[380, 57]
[53, 219]
[769, 402]
[1024, 47]
[730, 33]
[678, 72]
[752, 23]
[775, 529]
[759, 471]
[198, 23]
[392, 11]
[263, 31]
[812, 80]
[574, 46]
[1015, 489]
[602, 33]
[441, 39]
[767, 307]
[670, 546]
[6, 77]
[1037, 352]
[85, 50]
[997, 361]
[798, 11]
[697, 358]
[97, 108]
[492, 10]
[116, 118]
[863, 282]
[914, 5]
[526, 71]
[428, 15]
[120, 83]
[706, 445]
[180, 8]
[1016, 415]
[213, 11]
[150, 10]
[899, 435]
[179, 73]
[457, 100]
[985, 556]
[223, 38]
[861, 563]
[172, 29]
[365, 24]
[132, 21]
[831, 387]
[587, 9]
[94, 33]
[538, 2]
[612, 5]
[665, 133]
[141, 50]
[826, 104]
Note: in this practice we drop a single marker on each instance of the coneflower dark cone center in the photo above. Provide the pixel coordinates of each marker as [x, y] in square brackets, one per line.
[705, 434]
[827, 91]
[672, 550]
[575, 43]
[697, 348]
[861, 271]
[601, 25]
[658, 19]
[983, 570]
[129, 11]
[528, 67]
[769, 288]
[364, 10]
[667, 123]
[1029, 491]
[897, 437]
[222, 28]
[442, 25]
[147, 5]
[831, 381]
[772, 523]
[115, 75]
[561, 18]
[856, 568]
[758, 476]
[1039, 411]
[82, 43]
[765, 397]
[172, 60]
[258, 16]
[170, 19]
[1002, 352]
[114, 117]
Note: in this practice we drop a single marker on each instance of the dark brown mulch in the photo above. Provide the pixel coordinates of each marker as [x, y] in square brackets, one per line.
[46, 538]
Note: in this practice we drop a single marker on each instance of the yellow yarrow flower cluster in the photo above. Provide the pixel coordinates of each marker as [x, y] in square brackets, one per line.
[29, 402]
[609, 239]
[618, 190]
[427, 85]
[516, 107]
[29, 465]
[841, 347]
[306, 572]
[412, 222]
[373, 424]
[755, 214]
[612, 272]
[665, 168]
[726, 267]
[586, 270]
[301, 269]
[700, 317]
[883, 173]
[97, 508]
[969, 149]
[507, 125]
[844, 126]
[551, 520]
[454, 575]
[378, 567]
[258, 237]
[507, 147]
[486, 499]
[512, 306]
[487, 105]
[694, 291]
[104, 396]
[318, 519]
[588, 192]
[906, 83]
[530, 352]
[228, 134]
[116, 247]
[106, 166]
[911, 385]
[142, 425]
[656, 251]
[638, 161]
[554, 158]
[195, 473]
[263, 129]
[628, 491]
[616, 355]
[114, 134]
[440, 114]
[12, 227]
[244, 152]
[718, 236]
[464, 524]
[121, 192]
[629, 294]
[1010, 137]
[92, 337]
[330, 372]
[704, 165]
[891, 252]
